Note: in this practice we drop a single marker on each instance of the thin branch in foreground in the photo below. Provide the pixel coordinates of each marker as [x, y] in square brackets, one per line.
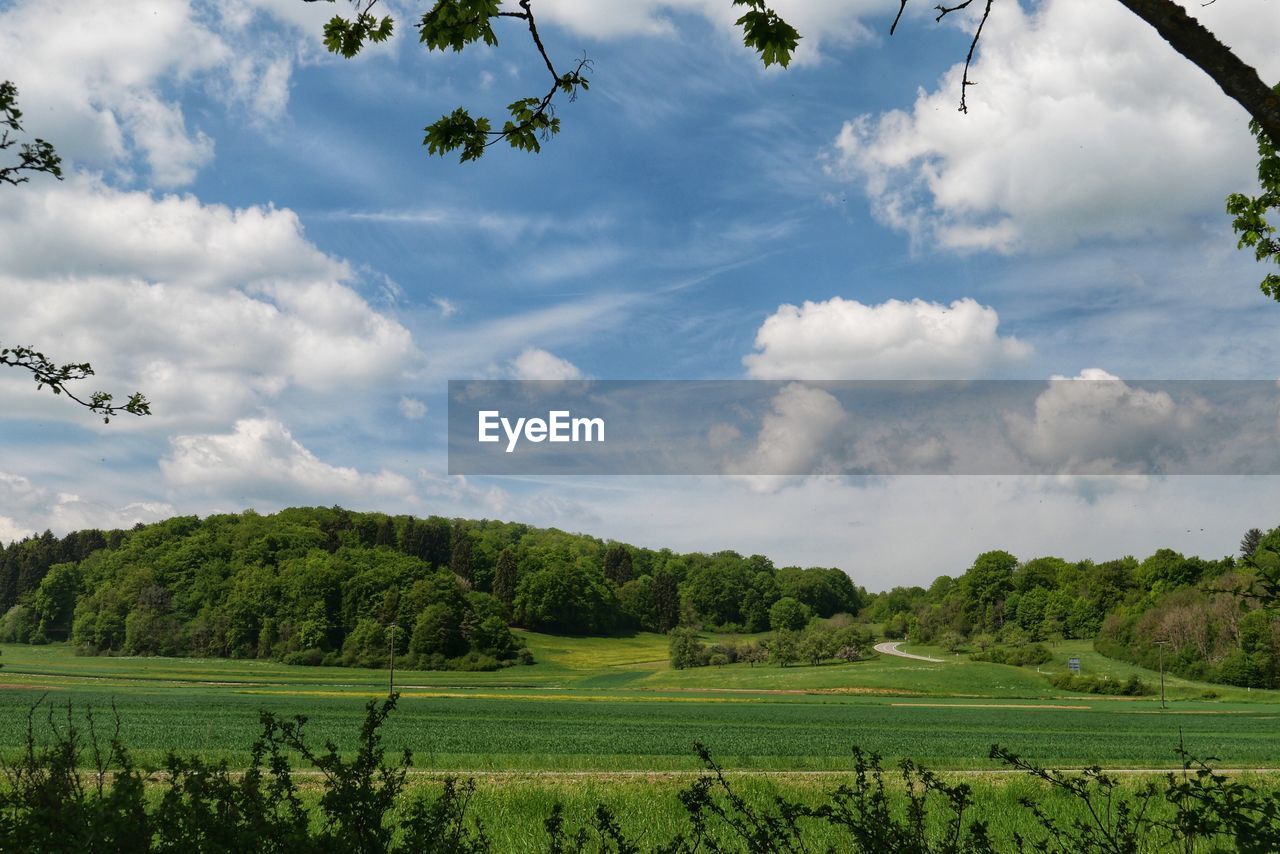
[56, 377]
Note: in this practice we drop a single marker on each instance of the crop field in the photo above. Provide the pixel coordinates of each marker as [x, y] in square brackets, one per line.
[613, 705]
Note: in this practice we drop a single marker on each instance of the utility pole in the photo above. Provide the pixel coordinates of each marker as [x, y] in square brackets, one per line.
[1162, 644]
[392, 630]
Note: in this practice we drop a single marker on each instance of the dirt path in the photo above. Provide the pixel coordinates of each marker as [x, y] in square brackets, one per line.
[891, 648]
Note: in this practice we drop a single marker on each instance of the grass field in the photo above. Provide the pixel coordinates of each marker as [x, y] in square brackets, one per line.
[610, 705]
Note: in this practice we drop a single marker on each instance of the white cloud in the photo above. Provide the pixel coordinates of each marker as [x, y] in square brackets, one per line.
[1097, 424]
[535, 364]
[1084, 125]
[845, 339]
[793, 439]
[91, 77]
[210, 311]
[412, 408]
[260, 459]
[29, 509]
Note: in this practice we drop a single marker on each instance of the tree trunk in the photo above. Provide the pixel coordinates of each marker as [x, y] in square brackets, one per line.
[1189, 37]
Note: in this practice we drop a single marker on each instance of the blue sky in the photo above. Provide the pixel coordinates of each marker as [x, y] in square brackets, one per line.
[252, 234]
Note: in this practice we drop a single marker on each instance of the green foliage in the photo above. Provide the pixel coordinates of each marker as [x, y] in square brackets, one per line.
[57, 378]
[505, 578]
[1130, 687]
[825, 591]
[686, 650]
[773, 38]
[1210, 634]
[530, 122]
[574, 599]
[618, 564]
[787, 613]
[1022, 655]
[48, 802]
[784, 647]
[817, 644]
[1251, 212]
[346, 37]
[986, 585]
[458, 130]
[454, 24]
[666, 601]
[37, 156]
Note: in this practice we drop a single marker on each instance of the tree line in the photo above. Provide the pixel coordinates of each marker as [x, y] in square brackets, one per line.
[1214, 620]
[331, 586]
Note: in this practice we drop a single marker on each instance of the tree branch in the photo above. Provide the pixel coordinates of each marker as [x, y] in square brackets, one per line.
[1190, 38]
[56, 377]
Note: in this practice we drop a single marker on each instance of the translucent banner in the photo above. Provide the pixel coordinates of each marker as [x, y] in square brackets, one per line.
[864, 427]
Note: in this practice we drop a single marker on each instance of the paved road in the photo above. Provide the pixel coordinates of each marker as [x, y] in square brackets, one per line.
[891, 648]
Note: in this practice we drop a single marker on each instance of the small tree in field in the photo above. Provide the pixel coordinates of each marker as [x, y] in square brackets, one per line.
[784, 647]
[686, 650]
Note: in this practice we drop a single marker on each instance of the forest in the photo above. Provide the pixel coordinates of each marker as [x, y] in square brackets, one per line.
[332, 586]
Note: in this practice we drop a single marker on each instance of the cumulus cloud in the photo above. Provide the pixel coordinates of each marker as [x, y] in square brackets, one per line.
[795, 437]
[92, 76]
[1082, 119]
[211, 311]
[1095, 423]
[845, 339]
[535, 364]
[260, 459]
[29, 508]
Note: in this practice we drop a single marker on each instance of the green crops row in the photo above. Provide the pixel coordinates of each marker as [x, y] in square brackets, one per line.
[657, 733]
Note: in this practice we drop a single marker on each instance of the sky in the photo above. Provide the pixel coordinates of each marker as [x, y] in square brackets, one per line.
[251, 233]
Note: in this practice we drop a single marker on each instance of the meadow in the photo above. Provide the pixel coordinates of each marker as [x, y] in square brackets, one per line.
[612, 705]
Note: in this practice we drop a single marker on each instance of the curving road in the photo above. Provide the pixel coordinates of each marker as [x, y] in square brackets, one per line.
[891, 648]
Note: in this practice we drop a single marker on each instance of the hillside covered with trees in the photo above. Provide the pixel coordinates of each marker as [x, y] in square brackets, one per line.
[316, 585]
[1213, 620]
[327, 585]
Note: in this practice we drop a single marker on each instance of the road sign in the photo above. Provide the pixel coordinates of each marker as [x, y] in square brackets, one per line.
[1073, 664]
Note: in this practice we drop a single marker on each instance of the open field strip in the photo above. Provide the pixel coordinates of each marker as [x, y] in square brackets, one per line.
[636, 716]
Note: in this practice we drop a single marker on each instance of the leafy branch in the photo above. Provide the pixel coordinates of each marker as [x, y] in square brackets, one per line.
[1250, 212]
[37, 156]
[453, 25]
[56, 377]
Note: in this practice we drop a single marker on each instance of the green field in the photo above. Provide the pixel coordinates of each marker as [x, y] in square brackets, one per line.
[613, 705]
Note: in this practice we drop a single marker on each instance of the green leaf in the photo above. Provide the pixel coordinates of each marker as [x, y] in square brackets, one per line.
[1250, 213]
[454, 24]
[346, 38]
[771, 36]
[458, 130]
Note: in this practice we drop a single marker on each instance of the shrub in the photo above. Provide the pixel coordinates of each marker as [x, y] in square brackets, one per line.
[308, 657]
[1131, 687]
[686, 650]
[1017, 656]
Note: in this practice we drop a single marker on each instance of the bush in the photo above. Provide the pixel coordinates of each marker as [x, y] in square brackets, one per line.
[686, 650]
[1131, 687]
[307, 657]
[1017, 656]
[474, 662]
